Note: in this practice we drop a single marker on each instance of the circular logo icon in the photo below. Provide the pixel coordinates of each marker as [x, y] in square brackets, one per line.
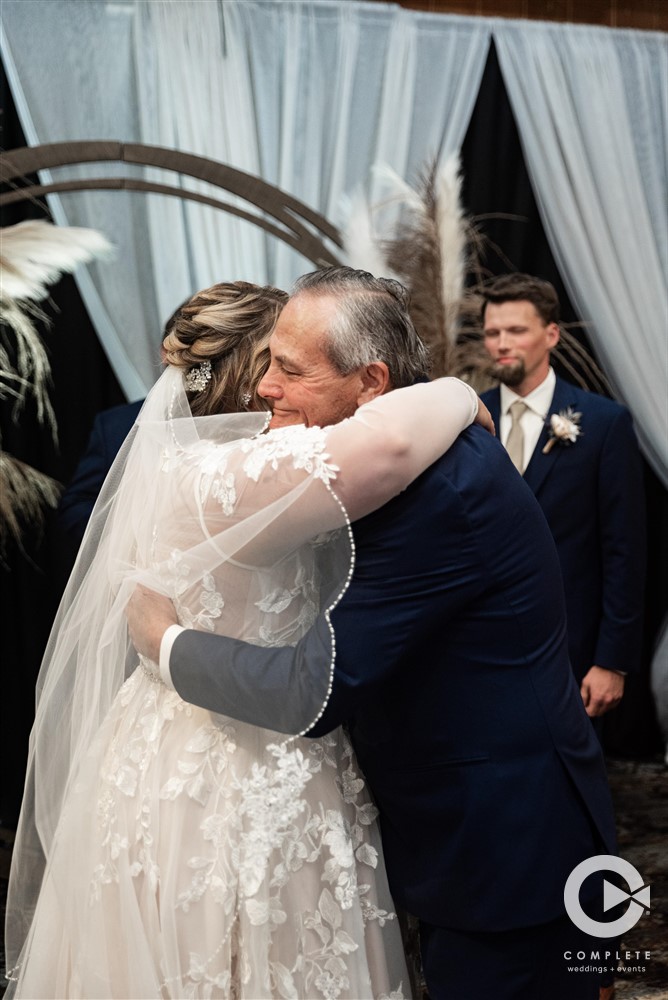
[638, 897]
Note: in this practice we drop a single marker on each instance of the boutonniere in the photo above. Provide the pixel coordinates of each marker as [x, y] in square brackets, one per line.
[564, 428]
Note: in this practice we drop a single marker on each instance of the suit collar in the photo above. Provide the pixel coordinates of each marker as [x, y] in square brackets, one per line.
[538, 400]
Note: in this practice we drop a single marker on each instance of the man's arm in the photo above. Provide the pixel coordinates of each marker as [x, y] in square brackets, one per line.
[623, 543]
[200, 666]
[295, 689]
[282, 688]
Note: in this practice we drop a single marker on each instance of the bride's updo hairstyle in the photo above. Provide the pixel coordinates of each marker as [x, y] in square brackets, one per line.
[228, 326]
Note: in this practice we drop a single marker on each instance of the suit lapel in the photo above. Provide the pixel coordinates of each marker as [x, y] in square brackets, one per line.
[541, 465]
[493, 402]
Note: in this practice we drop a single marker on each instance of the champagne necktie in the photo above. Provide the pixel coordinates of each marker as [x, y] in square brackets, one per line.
[515, 442]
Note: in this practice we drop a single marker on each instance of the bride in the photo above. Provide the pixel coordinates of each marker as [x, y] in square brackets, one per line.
[164, 851]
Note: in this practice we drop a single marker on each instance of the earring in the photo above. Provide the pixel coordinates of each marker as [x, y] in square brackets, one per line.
[246, 398]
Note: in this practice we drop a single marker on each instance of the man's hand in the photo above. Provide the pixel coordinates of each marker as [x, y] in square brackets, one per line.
[601, 690]
[149, 616]
[484, 418]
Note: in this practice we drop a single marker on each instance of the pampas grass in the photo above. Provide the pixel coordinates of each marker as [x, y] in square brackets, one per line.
[24, 493]
[422, 236]
[427, 246]
[32, 256]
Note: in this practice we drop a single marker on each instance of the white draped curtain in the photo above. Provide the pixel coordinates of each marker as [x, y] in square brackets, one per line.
[309, 95]
[306, 95]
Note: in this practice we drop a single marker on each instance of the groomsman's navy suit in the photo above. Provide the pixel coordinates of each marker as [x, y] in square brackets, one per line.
[452, 672]
[110, 429]
[591, 493]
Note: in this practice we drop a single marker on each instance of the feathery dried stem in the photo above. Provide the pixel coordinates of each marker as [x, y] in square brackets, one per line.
[593, 377]
[32, 255]
[30, 371]
[429, 250]
[430, 246]
[24, 492]
[433, 248]
[362, 248]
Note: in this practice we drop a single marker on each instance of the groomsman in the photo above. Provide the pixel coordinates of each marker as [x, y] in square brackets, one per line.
[578, 453]
[110, 429]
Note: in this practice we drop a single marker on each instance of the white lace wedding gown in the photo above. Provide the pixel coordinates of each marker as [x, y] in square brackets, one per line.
[193, 855]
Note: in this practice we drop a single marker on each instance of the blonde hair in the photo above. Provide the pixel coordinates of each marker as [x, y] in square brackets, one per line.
[228, 325]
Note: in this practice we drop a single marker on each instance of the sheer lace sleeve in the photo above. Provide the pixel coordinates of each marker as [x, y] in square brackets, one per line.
[389, 442]
[361, 463]
[364, 461]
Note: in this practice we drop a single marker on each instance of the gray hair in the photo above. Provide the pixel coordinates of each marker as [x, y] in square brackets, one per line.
[372, 324]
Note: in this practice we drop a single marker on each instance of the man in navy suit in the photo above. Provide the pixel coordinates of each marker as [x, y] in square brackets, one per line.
[451, 671]
[110, 429]
[588, 482]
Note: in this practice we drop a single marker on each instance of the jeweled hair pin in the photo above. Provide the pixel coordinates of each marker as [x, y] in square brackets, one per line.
[197, 377]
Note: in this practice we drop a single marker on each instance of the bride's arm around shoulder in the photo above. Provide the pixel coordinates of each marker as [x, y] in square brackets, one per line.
[378, 452]
[366, 460]
[390, 441]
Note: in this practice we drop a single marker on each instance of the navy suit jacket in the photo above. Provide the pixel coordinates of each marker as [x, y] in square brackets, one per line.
[110, 429]
[591, 493]
[452, 673]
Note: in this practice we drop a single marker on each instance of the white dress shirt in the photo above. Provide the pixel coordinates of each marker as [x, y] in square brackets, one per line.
[532, 420]
[166, 644]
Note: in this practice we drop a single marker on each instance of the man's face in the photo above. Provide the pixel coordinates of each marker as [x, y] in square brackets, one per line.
[519, 343]
[301, 384]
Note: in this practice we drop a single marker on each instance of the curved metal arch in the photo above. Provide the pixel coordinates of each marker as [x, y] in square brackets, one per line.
[297, 225]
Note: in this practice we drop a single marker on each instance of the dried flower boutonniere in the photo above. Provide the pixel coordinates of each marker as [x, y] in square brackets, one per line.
[564, 428]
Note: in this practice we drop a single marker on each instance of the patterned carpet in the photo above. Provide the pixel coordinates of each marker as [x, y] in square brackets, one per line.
[640, 791]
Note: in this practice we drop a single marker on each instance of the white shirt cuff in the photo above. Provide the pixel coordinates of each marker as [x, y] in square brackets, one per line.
[166, 644]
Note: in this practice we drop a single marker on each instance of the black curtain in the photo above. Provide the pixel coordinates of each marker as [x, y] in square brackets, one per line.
[495, 181]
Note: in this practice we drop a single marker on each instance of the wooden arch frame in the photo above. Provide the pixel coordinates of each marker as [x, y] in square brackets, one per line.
[294, 223]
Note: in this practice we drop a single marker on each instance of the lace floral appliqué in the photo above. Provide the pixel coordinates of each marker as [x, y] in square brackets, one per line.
[181, 579]
[304, 445]
[259, 827]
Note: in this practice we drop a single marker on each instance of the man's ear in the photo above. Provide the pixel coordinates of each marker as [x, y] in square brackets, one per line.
[554, 334]
[375, 381]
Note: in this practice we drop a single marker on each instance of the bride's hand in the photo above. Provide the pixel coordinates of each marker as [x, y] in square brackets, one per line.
[149, 616]
[484, 418]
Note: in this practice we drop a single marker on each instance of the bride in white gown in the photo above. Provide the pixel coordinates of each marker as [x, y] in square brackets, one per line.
[164, 851]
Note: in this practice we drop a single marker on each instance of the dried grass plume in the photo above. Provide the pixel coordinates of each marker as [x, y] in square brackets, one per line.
[32, 256]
